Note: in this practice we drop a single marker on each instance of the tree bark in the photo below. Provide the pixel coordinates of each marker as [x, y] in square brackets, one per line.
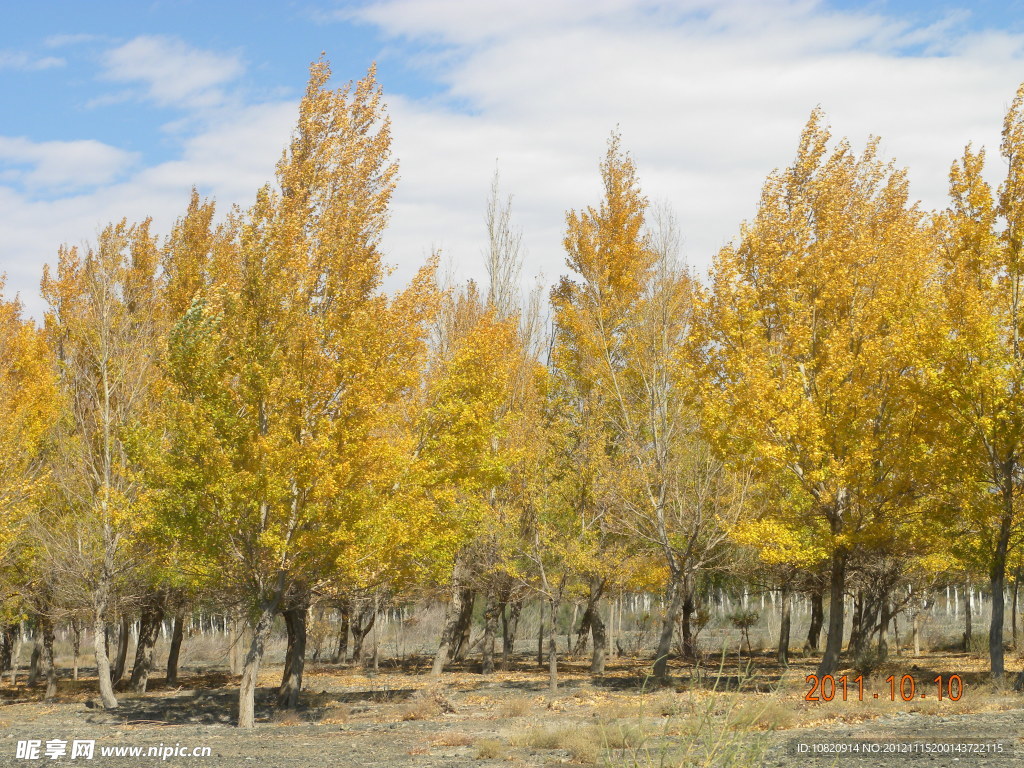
[553, 646]
[464, 627]
[177, 632]
[345, 610]
[99, 626]
[677, 592]
[34, 659]
[784, 624]
[295, 619]
[1013, 606]
[509, 627]
[997, 578]
[122, 651]
[817, 621]
[452, 613]
[363, 621]
[49, 663]
[76, 647]
[149, 630]
[251, 667]
[968, 628]
[600, 635]
[834, 638]
[7, 640]
[491, 611]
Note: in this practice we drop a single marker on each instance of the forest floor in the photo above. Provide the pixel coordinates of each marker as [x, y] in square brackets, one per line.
[722, 714]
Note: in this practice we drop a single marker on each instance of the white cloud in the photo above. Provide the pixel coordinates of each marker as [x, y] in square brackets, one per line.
[172, 72]
[710, 97]
[23, 62]
[55, 164]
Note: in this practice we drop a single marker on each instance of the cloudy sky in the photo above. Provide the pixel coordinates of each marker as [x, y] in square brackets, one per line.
[115, 110]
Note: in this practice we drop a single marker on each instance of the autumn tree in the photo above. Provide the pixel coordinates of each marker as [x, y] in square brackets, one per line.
[101, 330]
[980, 388]
[814, 349]
[285, 367]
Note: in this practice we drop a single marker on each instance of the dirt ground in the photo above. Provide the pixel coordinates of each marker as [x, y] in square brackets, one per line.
[718, 715]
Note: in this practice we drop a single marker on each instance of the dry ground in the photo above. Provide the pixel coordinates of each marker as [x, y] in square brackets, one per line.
[718, 715]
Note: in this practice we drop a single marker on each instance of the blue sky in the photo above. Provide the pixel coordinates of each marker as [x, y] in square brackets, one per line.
[117, 109]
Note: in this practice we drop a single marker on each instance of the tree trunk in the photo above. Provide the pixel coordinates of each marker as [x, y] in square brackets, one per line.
[464, 627]
[251, 666]
[1013, 613]
[817, 620]
[540, 637]
[34, 659]
[345, 610]
[883, 628]
[235, 644]
[509, 627]
[968, 628]
[686, 625]
[491, 610]
[99, 643]
[177, 632]
[122, 651]
[76, 647]
[856, 644]
[149, 630]
[7, 640]
[49, 663]
[453, 612]
[677, 593]
[997, 578]
[600, 635]
[363, 621]
[784, 624]
[295, 618]
[834, 639]
[553, 646]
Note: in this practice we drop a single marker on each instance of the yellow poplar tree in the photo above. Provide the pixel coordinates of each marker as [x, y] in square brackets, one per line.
[981, 384]
[100, 326]
[813, 343]
[288, 368]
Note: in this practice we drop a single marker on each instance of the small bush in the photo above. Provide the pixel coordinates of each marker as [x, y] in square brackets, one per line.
[491, 749]
[516, 707]
[869, 660]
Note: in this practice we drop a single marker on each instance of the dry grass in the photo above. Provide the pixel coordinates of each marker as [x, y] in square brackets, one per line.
[517, 706]
[452, 739]
[426, 704]
[491, 749]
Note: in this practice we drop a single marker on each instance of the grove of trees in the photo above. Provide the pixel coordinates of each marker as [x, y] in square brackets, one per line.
[237, 417]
